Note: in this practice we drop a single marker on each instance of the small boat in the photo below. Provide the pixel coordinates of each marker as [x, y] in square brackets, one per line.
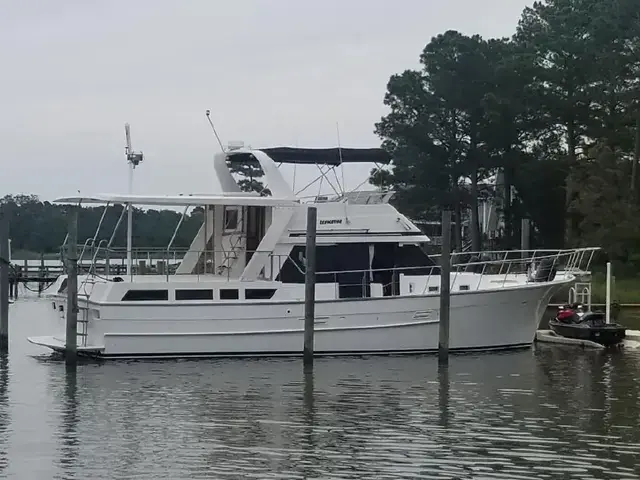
[574, 321]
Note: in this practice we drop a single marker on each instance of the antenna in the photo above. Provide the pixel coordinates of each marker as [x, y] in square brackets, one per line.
[344, 186]
[134, 159]
[208, 114]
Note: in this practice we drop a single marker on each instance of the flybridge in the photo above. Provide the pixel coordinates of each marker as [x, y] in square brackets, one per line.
[327, 156]
[325, 159]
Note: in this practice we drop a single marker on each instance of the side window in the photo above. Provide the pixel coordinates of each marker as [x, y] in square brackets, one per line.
[230, 218]
[200, 294]
[145, 295]
[259, 293]
[229, 294]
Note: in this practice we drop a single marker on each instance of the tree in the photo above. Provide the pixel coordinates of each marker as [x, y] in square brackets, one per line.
[249, 171]
[436, 129]
[607, 218]
[558, 38]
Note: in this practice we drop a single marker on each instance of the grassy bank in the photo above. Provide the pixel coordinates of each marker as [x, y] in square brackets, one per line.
[623, 290]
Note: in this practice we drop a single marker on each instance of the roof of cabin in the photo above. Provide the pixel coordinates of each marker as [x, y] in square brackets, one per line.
[236, 198]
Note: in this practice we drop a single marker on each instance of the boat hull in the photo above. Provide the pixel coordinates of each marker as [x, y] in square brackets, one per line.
[606, 335]
[481, 320]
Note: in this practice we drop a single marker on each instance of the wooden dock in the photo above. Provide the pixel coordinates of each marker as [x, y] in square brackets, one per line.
[43, 275]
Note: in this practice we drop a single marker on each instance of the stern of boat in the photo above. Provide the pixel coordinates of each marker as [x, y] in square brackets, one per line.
[88, 340]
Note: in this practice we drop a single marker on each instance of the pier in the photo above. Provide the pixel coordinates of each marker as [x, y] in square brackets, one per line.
[23, 272]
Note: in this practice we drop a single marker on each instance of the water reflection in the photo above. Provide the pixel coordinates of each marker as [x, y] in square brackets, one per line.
[543, 413]
[308, 401]
[520, 415]
[5, 419]
[443, 394]
[69, 422]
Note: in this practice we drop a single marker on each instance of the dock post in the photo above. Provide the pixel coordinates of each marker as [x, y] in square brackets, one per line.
[445, 287]
[19, 277]
[43, 273]
[310, 286]
[71, 350]
[525, 239]
[608, 295]
[4, 284]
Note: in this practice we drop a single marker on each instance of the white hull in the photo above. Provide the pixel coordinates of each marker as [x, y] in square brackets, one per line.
[239, 287]
[495, 319]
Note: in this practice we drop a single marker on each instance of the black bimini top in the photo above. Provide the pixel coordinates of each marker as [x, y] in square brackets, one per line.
[327, 156]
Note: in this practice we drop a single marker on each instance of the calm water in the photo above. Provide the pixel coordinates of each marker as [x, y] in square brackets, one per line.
[549, 412]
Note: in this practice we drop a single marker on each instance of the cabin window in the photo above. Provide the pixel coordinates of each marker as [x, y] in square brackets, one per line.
[230, 218]
[229, 294]
[199, 294]
[145, 295]
[433, 289]
[464, 287]
[259, 293]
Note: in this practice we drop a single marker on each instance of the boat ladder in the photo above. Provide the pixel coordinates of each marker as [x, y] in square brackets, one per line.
[580, 293]
[83, 324]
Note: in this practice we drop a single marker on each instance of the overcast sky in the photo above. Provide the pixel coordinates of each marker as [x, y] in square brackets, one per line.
[273, 73]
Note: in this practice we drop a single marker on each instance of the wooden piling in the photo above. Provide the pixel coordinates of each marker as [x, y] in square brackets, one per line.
[71, 350]
[525, 235]
[42, 272]
[608, 295]
[445, 287]
[310, 286]
[18, 277]
[4, 284]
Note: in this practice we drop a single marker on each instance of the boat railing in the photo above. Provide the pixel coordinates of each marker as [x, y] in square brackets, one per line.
[106, 261]
[519, 267]
[573, 260]
[501, 268]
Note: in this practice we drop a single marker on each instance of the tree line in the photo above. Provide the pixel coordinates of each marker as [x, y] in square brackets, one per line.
[555, 109]
[40, 227]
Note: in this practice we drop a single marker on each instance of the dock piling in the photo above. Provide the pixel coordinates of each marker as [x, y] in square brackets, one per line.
[608, 295]
[525, 238]
[71, 349]
[310, 286]
[445, 289]
[4, 284]
[42, 273]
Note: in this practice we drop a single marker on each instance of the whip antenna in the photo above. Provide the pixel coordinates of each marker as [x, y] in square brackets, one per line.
[208, 113]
